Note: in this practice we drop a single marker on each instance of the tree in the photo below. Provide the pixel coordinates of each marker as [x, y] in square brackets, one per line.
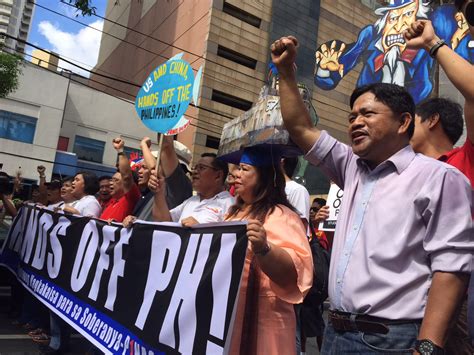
[10, 71]
[85, 6]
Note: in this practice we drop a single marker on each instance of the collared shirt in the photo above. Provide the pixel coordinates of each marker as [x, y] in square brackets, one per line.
[88, 206]
[398, 224]
[178, 189]
[462, 158]
[204, 211]
[104, 204]
[120, 208]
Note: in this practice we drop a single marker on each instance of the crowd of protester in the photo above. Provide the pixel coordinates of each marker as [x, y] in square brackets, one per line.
[402, 251]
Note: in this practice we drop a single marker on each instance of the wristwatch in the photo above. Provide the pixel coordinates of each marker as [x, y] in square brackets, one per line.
[427, 347]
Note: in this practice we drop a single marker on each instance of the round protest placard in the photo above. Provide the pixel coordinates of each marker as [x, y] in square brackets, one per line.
[165, 96]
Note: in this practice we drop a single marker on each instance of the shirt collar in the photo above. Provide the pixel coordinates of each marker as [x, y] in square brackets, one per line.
[222, 194]
[400, 160]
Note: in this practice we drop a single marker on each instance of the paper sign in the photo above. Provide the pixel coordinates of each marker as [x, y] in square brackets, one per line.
[165, 96]
[334, 202]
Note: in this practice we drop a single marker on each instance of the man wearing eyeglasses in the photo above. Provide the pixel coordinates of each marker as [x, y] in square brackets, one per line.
[209, 205]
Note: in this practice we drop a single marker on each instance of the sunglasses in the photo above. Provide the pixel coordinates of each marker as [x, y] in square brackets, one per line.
[469, 13]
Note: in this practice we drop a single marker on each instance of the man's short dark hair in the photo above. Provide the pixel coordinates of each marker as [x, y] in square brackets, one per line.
[54, 185]
[320, 201]
[459, 4]
[391, 95]
[218, 164]
[105, 177]
[68, 179]
[450, 115]
[289, 165]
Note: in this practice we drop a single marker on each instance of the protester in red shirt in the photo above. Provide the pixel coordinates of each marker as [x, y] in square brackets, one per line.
[104, 196]
[125, 193]
[438, 126]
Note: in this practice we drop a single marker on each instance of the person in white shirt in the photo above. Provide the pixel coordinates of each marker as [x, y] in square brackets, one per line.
[209, 205]
[296, 193]
[66, 191]
[85, 185]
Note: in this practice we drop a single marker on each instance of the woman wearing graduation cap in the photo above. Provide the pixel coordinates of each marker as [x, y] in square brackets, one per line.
[278, 268]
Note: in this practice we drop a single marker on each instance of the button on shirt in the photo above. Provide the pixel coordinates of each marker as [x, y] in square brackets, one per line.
[398, 223]
[204, 211]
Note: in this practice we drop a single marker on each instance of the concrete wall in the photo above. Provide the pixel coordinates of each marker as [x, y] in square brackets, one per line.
[183, 24]
[41, 94]
[97, 115]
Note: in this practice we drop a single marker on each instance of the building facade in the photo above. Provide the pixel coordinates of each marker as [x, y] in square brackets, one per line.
[56, 121]
[231, 40]
[15, 20]
[45, 59]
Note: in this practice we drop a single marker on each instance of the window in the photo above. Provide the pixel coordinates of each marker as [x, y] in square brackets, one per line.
[212, 142]
[63, 144]
[373, 4]
[89, 149]
[241, 15]
[236, 57]
[231, 100]
[17, 127]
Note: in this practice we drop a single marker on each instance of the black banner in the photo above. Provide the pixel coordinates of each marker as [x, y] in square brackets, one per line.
[153, 288]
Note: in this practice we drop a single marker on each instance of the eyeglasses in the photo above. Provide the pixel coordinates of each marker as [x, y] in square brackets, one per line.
[201, 167]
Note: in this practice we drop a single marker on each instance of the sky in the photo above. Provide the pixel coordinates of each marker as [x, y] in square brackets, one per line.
[60, 34]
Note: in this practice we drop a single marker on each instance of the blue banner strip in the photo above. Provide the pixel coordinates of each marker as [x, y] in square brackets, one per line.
[105, 333]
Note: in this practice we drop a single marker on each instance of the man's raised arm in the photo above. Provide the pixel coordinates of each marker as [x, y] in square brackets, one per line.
[123, 164]
[295, 115]
[459, 71]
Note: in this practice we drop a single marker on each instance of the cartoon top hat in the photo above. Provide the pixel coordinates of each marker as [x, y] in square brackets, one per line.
[392, 5]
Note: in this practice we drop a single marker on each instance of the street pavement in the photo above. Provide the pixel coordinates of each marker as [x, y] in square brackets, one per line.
[15, 341]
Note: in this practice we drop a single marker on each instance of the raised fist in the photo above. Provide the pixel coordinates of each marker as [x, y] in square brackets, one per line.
[41, 169]
[156, 184]
[420, 34]
[118, 143]
[283, 53]
[146, 142]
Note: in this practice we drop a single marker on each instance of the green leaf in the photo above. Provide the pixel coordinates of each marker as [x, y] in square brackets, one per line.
[10, 71]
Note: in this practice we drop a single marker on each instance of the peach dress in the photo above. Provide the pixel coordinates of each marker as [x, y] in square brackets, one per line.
[275, 330]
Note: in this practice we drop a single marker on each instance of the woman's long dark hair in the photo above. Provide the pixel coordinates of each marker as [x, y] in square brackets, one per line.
[269, 192]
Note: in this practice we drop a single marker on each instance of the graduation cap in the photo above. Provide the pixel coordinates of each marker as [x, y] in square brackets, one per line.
[259, 155]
